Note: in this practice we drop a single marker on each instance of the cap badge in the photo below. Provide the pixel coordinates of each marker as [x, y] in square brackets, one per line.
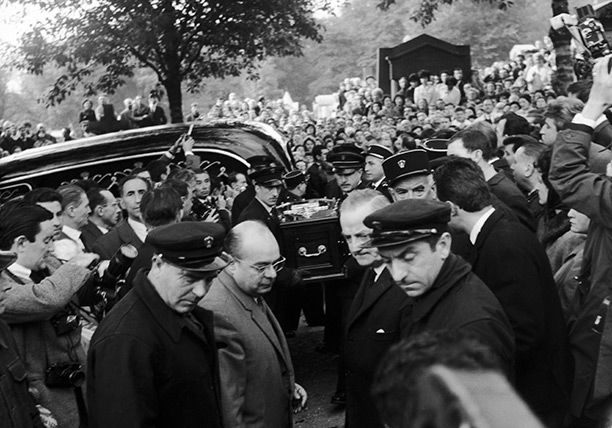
[401, 163]
[208, 241]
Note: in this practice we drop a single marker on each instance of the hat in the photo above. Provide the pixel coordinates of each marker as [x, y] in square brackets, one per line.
[294, 178]
[346, 156]
[406, 164]
[269, 176]
[378, 151]
[190, 245]
[260, 161]
[436, 147]
[408, 220]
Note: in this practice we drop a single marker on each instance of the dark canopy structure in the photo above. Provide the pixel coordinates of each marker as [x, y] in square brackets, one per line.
[422, 52]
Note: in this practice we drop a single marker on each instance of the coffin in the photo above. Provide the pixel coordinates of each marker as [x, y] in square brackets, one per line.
[312, 241]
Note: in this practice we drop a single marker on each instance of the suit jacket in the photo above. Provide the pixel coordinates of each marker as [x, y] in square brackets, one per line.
[257, 378]
[513, 264]
[120, 235]
[149, 366]
[509, 194]
[89, 235]
[377, 319]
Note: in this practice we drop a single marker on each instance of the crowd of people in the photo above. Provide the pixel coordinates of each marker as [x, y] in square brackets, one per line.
[474, 213]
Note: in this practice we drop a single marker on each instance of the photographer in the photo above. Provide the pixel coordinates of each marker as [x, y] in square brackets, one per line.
[591, 194]
[39, 309]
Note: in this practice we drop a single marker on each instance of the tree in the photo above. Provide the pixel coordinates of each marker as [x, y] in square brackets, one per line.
[425, 12]
[182, 41]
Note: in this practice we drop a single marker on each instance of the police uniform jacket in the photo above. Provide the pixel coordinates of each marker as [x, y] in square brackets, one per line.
[257, 379]
[29, 307]
[459, 300]
[513, 264]
[107, 245]
[256, 211]
[241, 201]
[591, 194]
[148, 366]
[378, 316]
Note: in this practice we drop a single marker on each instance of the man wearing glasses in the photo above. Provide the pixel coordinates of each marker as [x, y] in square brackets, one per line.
[257, 380]
[105, 214]
[153, 359]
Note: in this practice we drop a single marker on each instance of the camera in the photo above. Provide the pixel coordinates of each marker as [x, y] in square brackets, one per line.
[117, 268]
[65, 375]
[65, 322]
[589, 35]
[592, 32]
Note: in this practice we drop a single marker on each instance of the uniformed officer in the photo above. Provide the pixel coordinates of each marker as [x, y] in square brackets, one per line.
[409, 175]
[412, 237]
[295, 183]
[268, 187]
[348, 161]
[373, 171]
[153, 359]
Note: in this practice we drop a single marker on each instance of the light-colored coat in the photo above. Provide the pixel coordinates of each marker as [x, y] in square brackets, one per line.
[257, 378]
[29, 307]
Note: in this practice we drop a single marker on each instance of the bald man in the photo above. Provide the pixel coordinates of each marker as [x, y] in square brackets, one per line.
[257, 380]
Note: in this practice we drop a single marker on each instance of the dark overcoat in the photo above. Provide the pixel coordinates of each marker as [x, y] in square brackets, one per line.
[376, 320]
[513, 264]
[459, 301]
[149, 367]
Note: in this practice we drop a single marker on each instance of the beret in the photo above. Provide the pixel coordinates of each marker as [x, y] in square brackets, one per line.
[190, 245]
[408, 220]
[293, 178]
[346, 156]
[406, 164]
[378, 151]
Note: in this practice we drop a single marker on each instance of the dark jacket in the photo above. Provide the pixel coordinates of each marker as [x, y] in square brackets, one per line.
[241, 202]
[16, 405]
[377, 318]
[459, 300]
[256, 211]
[89, 235]
[149, 367]
[383, 188]
[507, 192]
[120, 235]
[513, 264]
[590, 194]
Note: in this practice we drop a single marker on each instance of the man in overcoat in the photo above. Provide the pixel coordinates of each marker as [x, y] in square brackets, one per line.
[378, 314]
[153, 359]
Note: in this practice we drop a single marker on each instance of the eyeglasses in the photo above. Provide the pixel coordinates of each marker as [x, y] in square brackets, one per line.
[262, 267]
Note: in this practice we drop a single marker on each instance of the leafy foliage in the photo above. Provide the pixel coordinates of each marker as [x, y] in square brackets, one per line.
[181, 40]
[425, 12]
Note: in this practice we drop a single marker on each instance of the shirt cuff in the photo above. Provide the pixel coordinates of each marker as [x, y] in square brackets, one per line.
[169, 155]
[189, 153]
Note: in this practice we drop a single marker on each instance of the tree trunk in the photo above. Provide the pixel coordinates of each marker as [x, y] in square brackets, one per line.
[561, 41]
[175, 96]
